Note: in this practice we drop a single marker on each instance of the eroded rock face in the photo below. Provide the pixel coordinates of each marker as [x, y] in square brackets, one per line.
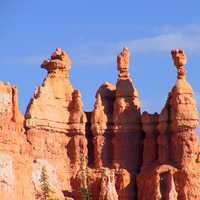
[170, 174]
[7, 178]
[131, 155]
[99, 128]
[55, 122]
[108, 190]
[54, 185]
[127, 132]
[102, 125]
[57, 91]
[149, 124]
[9, 103]
[127, 135]
[99, 117]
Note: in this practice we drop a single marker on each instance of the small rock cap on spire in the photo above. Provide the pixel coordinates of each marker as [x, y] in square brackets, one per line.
[123, 63]
[179, 59]
[59, 60]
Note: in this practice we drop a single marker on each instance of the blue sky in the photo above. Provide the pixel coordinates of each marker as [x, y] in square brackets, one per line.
[93, 33]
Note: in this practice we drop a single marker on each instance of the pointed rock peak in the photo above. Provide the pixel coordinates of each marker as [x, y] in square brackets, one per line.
[98, 109]
[124, 86]
[179, 59]
[107, 93]
[99, 118]
[183, 109]
[9, 103]
[181, 86]
[106, 90]
[127, 101]
[98, 103]
[123, 63]
[77, 102]
[59, 60]
[77, 117]
[76, 94]
[57, 90]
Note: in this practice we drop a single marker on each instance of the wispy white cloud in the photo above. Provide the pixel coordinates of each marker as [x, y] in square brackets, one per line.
[162, 40]
[165, 42]
[187, 37]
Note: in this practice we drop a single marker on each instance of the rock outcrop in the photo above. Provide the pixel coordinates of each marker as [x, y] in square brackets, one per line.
[127, 135]
[7, 177]
[170, 170]
[55, 121]
[49, 107]
[111, 153]
[99, 127]
[127, 132]
[108, 189]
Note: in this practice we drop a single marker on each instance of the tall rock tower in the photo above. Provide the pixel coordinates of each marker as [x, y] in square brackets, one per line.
[171, 171]
[55, 122]
[112, 153]
[127, 135]
[117, 131]
[12, 144]
[48, 108]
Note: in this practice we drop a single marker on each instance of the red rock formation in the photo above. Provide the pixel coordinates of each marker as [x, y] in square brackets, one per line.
[105, 98]
[108, 190]
[124, 180]
[127, 133]
[14, 148]
[126, 118]
[57, 133]
[9, 104]
[107, 91]
[174, 174]
[99, 126]
[149, 124]
[77, 122]
[57, 91]
[55, 122]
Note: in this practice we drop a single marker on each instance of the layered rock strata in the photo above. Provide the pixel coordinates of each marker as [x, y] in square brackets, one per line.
[111, 153]
[172, 171]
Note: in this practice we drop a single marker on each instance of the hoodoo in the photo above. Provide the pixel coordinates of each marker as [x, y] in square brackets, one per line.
[114, 152]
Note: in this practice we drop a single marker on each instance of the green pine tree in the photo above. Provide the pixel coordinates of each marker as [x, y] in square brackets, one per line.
[45, 186]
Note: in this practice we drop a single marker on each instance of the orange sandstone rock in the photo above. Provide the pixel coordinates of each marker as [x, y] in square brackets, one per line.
[48, 109]
[174, 172]
[114, 152]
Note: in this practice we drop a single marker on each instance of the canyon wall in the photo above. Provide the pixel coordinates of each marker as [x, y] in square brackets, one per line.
[114, 152]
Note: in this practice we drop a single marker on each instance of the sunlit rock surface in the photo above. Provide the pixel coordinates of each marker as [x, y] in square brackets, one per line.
[114, 152]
